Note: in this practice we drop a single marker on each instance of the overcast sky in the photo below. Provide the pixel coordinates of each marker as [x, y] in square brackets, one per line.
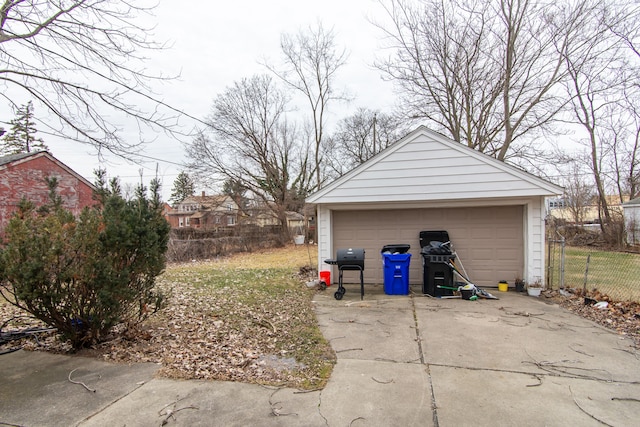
[217, 43]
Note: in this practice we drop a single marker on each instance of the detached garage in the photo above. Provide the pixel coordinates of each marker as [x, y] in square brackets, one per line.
[493, 212]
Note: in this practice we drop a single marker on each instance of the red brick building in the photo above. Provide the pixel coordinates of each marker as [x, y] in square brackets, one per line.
[24, 175]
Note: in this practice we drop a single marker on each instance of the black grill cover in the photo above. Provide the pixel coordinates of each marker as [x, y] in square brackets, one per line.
[436, 248]
[426, 237]
[350, 259]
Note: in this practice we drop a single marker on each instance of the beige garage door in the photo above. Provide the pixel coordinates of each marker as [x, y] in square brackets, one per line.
[488, 240]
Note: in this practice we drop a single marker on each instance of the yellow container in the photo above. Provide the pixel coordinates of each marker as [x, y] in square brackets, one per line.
[503, 286]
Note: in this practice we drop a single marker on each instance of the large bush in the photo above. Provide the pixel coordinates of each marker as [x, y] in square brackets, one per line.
[84, 275]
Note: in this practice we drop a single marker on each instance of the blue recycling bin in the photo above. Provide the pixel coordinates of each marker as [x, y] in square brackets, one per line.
[395, 266]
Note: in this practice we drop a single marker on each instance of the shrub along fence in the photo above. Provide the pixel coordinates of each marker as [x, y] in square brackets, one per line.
[614, 272]
[187, 244]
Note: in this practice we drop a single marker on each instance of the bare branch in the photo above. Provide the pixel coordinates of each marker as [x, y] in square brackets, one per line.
[486, 72]
[254, 145]
[311, 61]
[81, 61]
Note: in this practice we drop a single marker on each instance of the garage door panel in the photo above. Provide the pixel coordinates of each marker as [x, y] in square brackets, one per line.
[504, 254]
[481, 232]
[480, 271]
[435, 216]
[506, 274]
[509, 233]
[486, 255]
[458, 231]
[458, 214]
[488, 240]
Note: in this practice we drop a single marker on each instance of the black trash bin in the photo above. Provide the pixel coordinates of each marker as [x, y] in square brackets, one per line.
[436, 253]
[395, 267]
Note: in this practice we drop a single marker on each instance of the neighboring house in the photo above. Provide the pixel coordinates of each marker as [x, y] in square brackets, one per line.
[295, 222]
[263, 219]
[166, 209]
[631, 211]
[494, 212]
[206, 212]
[557, 207]
[261, 215]
[268, 218]
[309, 213]
[24, 176]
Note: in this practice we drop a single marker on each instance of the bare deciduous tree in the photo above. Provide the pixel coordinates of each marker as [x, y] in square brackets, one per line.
[361, 136]
[437, 64]
[252, 144]
[627, 29]
[579, 192]
[311, 61]
[596, 79]
[623, 142]
[483, 71]
[82, 61]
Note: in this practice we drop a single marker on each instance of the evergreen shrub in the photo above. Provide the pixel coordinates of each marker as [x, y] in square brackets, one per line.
[84, 275]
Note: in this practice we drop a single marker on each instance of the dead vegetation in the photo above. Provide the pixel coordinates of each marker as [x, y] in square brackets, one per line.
[245, 318]
[249, 318]
[620, 316]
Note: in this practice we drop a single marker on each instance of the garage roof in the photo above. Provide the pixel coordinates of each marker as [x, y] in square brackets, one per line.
[426, 165]
[632, 203]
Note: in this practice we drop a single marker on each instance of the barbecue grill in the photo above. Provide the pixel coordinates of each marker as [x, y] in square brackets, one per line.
[436, 253]
[348, 259]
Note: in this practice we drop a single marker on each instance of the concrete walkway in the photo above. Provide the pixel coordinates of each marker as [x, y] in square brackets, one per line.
[410, 361]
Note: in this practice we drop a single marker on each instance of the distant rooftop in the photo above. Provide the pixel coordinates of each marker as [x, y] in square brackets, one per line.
[13, 157]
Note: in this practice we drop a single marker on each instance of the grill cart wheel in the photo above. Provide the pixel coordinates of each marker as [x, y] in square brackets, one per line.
[339, 294]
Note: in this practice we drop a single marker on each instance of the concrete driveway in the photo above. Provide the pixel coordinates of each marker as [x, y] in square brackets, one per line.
[515, 361]
[402, 360]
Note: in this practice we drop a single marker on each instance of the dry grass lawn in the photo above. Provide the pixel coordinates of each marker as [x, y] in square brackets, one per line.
[245, 318]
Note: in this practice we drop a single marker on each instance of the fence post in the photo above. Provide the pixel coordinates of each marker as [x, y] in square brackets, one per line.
[549, 278]
[551, 260]
[586, 273]
[562, 242]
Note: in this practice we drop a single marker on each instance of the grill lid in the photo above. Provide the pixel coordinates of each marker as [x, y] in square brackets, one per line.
[350, 259]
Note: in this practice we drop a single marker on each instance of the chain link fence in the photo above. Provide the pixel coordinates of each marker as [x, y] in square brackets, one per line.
[187, 244]
[615, 273]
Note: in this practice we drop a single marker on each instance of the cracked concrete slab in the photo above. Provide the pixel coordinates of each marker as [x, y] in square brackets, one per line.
[374, 329]
[35, 389]
[377, 393]
[523, 334]
[402, 360]
[220, 403]
[470, 397]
